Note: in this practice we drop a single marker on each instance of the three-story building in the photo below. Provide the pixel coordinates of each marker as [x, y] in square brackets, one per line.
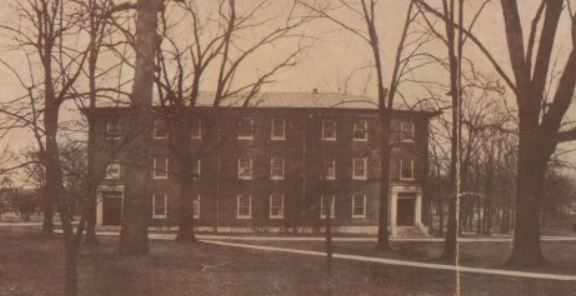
[277, 165]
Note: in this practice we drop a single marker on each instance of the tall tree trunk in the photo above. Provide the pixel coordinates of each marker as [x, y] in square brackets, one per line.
[136, 215]
[383, 243]
[184, 176]
[526, 251]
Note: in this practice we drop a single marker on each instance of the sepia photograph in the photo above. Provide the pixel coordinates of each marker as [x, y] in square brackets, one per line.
[287, 147]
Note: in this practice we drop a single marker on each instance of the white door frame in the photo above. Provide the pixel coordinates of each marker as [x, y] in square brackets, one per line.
[396, 191]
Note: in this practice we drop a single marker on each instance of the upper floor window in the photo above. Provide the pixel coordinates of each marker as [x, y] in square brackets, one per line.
[197, 168]
[360, 130]
[160, 168]
[277, 168]
[407, 169]
[245, 129]
[245, 168]
[278, 130]
[407, 131]
[244, 206]
[196, 129]
[359, 168]
[113, 171]
[196, 207]
[276, 206]
[159, 206]
[359, 205]
[327, 203]
[160, 129]
[328, 130]
[113, 129]
[330, 169]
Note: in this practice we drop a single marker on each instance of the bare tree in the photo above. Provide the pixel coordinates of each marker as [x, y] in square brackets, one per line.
[218, 47]
[367, 11]
[541, 108]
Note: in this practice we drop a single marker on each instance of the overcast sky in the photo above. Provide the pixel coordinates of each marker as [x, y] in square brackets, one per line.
[335, 53]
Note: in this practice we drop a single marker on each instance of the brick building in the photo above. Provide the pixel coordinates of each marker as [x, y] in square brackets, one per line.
[275, 163]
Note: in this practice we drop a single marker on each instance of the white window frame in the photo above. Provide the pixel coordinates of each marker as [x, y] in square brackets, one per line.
[364, 122]
[330, 166]
[196, 207]
[332, 208]
[115, 176]
[281, 215]
[197, 169]
[251, 169]
[283, 169]
[324, 125]
[111, 132]
[155, 170]
[197, 124]
[165, 214]
[354, 164]
[272, 126]
[238, 197]
[355, 196]
[407, 137]
[412, 169]
[155, 129]
[246, 137]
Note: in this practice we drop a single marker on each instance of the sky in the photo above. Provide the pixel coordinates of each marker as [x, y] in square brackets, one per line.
[333, 53]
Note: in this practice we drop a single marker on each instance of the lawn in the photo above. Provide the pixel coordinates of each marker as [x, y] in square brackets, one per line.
[30, 265]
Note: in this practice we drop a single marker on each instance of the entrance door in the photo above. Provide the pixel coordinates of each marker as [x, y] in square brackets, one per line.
[111, 208]
[406, 212]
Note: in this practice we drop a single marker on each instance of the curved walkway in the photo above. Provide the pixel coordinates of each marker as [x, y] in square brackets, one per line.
[405, 263]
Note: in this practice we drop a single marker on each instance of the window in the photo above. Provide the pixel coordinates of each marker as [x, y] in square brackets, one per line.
[359, 169]
[330, 170]
[160, 130]
[196, 207]
[359, 205]
[245, 168]
[160, 168]
[113, 129]
[323, 203]
[244, 206]
[277, 168]
[278, 130]
[328, 130]
[113, 171]
[407, 131]
[197, 169]
[245, 129]
[360, 132]
[196, 132]
[159, 206]
[407, 169]
[276, 206]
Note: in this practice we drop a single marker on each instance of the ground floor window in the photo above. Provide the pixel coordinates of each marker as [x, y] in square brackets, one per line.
[196, 208]
[276, 206]
[159, 206]
[324, 201]
[359, 205]
[244, 206]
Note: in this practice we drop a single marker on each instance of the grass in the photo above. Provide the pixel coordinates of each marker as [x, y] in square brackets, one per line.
[30, 265]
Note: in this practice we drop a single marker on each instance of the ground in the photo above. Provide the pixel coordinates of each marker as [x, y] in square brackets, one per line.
[30, 265]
